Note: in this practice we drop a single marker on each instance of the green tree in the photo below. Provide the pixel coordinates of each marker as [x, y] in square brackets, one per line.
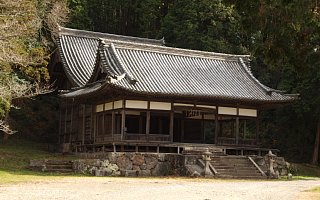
[27, 28]
[204, 25]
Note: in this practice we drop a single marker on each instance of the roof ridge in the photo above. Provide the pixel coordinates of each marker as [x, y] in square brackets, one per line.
[181, 51]
[97, 35]
[264, 87]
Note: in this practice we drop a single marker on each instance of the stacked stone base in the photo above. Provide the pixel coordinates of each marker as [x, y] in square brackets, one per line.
[130, 164]
[150, 164]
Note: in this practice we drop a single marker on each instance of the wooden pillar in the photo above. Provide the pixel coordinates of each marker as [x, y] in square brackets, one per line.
[123, 123]
[182, 129]
[60, 124]
[71, 124]
[103, 122]
[216, 126]
[257, 127]
[91, 121]
[113, 115]
[148, 125]
[171, 123]
[148, 122]
[203, 137]
[237, 126]
[65, 124]
[83, 122]
[94, 123]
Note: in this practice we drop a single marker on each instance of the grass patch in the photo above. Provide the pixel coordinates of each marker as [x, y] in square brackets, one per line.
[316, 189]
[14, 161]
[305, 171]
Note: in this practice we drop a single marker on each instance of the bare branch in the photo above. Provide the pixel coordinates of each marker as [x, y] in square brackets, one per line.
[4, 127]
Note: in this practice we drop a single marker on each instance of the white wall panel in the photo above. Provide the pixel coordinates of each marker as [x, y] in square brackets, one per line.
[136, 104]
[248, 112]
[160, 105]
[118, 104]
[227, 111]
[99, 108]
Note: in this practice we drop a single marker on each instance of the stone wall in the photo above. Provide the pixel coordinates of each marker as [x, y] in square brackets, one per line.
[131, 164]
[280, 166]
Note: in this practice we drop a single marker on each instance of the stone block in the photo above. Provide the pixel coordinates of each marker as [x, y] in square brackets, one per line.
[161, 169]
[138, 159]
[151, 162]
[136, 167]
[129, 173]
[146, 172]
[99, 172]
[124, 163]
[113, 167]
[143, 167]
[104, 163]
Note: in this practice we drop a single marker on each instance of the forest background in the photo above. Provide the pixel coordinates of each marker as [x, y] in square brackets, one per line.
[282, 36]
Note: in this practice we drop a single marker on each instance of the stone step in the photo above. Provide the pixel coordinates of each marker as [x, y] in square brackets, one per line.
[60, 170]
[59, 166]
[58, 162]
[240, 176]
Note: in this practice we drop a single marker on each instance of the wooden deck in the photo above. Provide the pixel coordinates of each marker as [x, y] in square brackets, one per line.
[168, 147]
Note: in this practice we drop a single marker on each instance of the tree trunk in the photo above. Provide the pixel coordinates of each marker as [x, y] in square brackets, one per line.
[316, 145]
[5, 137]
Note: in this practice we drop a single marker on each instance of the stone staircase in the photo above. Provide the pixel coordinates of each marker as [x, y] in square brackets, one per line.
[238, 167]
[62, 166]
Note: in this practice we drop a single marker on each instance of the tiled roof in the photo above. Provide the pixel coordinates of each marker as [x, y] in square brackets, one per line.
[78, 50]
[153, 69]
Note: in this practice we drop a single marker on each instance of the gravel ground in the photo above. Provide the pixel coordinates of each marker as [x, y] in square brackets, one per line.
[158, 188]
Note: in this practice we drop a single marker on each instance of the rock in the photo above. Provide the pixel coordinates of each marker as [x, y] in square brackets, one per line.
[99, 172]
[98, 163]
[104, 163]
[135, 167]
[151, 162]
[137, 160]
[107, 171]
[130, 173]
[195, 174]
[116, 173]
[92, 170]
[161, 169]
[162, 157]
[124, 163]
[143, 167]
[113, 167]
[146, 172]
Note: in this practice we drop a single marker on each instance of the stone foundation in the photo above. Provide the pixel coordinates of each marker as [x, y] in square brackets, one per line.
[131, 164]
[154, 164]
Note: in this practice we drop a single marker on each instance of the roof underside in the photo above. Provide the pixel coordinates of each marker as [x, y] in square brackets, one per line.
[149, 68]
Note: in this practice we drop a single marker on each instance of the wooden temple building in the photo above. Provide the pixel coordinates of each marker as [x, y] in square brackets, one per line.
[124, 93]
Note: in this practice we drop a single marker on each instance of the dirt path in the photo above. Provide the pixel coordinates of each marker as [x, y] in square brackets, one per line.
[157, 188]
